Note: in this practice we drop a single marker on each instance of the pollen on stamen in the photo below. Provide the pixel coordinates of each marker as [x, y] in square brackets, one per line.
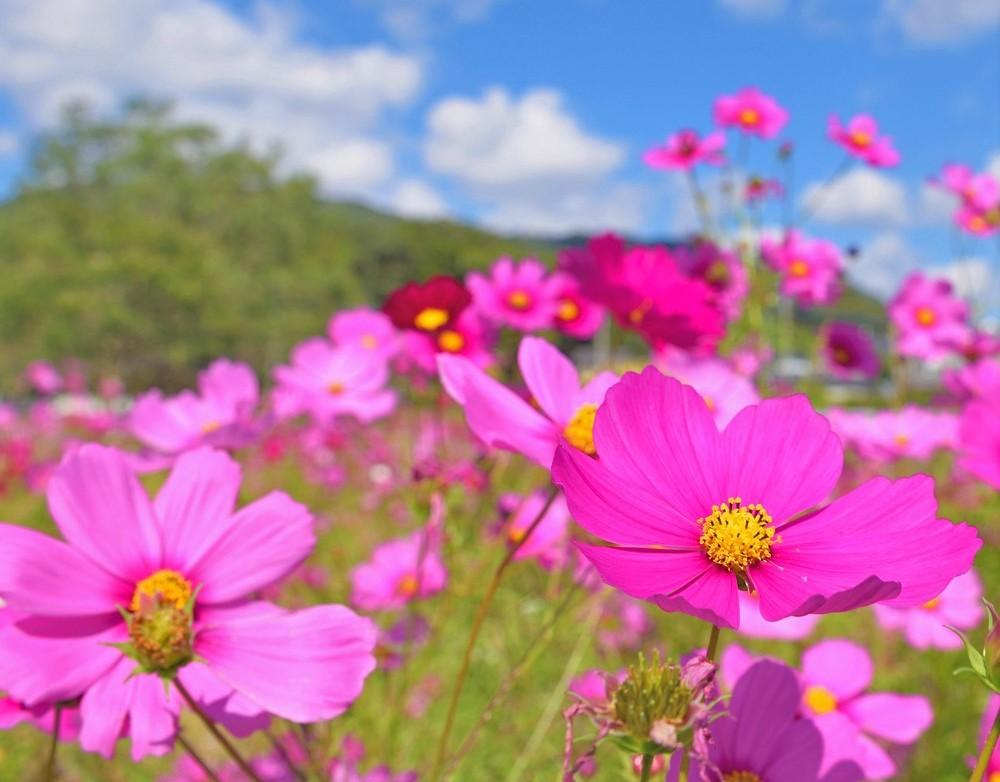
[580, 430]
[169, 585]
[736, 536]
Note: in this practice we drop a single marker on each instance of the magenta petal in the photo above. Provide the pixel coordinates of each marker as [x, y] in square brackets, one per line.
[782, 454]
[262, 544]
[897, 718]
[222, 703]
[104, 708]
[323, 655]
[103, 511]
[195, 504]
[843, 741]
[153, 711]
[799, 756]
[842, 667]
[713, 598]
[550, 377]
[659, 434]
[42, 575]
[610, 507]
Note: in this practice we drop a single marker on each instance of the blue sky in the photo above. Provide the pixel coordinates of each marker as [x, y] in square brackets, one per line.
[531, 115]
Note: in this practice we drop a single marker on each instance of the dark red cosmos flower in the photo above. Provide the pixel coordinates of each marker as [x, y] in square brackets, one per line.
[429, 306]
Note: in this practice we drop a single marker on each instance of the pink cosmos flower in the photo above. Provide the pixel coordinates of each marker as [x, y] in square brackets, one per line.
[467, 336]
[978, 379]
[365, 328]
[887, 435]
[720, 269]
[760, 736]
[959, 605]
[158, 561]
[833, 681]
[723, 390]
[930, 320]
[849, 351]
[575, 314]
[979, 198]
[861, 140]
[810, 268]
[685, 149]
[220, 414]
[502, 419]
[754, 625]
[43, 378]
[751, 111]
[979, 439]
[548, 543]
[759, 189]
[326, 381]
[623, 623]
[515, 294]
[695, 512]
[402, 570]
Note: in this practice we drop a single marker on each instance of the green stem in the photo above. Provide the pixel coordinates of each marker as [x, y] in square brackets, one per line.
[979, 772]
[713, 644]
[647, 768]
[216, 733]
[50, 763]
[477, 625]
[685, 765]
[202, 764]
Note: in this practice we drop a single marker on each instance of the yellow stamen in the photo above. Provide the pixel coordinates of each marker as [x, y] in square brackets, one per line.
[718, 272]
[994, 776]
[210, 426]
[925, 316]
[977, 223]
[861, 139]
[842, 356]
[431, 319]
[709, 403]
[407, 586]
[580, 430]
[736, 536]
[451, 341]
[932, 604]
[369, 342]
[798, 268]
[519, 300]
[749, 116]
[336, 388]
[901, 440]
[170, 585]
[568, 310]
[819, 700]
[516, 534]
[741, 776]
[635, 316]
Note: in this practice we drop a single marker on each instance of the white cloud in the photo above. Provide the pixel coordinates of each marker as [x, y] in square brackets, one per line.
[251, 77]
[861, 197]
[9, 143]
[755, 9]
[417, 199]
[529, 163]
[942, 22]
[936, 206]
[972, 277]
[882, 264]
[415, 20]
[356, 165]
[993, 164]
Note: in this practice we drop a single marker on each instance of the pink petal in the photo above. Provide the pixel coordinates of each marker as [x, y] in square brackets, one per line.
[897, 718]
[42, 575]
[222, 703]
[104, 709]
[551, 378]
[782, 454]
[712, 598]
[195, 504]
[844, 668]
[323, 655]
[103, 511]
[595, 391]
[261, 544]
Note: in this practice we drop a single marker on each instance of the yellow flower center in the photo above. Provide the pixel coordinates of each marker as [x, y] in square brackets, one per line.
[431, 319]
[798, 268]
[994, 776]
[977, 223]
[736, 536]
[210, 426]
[516, 534]
[741, 776]
[842, 356]
[925, 316]
[336, 388]
[369, 342]
[749, 116]
[635, 316]
[451, 341]
[861, 139]
[169, 585]
[901, 440]
[580, 430]
[519, 300]
[932, 604]
[407, 586]
[819, 700]
[568, 310]
[718, 272]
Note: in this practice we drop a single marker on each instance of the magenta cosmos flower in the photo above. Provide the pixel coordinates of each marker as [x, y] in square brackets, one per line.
[575, 315]
[810, 268]
[834, 677]
[761, 738]
[979, 438]
[959, 605]
[930, 320]
[186, 559]
[685, 149]
[220, 414]
[502, 419]
[548, 543]
[43, 378]
[861, 140]
[849, 351]
[366, 328]
[724, 390]
[751, 111]
[720, 269]
[697, 513]
[515, 294]
[326, 381]
[753, 625]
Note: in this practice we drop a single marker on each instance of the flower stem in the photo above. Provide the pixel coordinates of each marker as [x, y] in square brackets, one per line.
[647, 768]
[713, 644]
[50, 763]
[202, 763]
[477, 625]
[285, 757]
[218, 734]
[979, 772]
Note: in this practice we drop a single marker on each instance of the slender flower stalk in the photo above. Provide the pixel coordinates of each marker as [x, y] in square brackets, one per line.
[216, 733]
[979, 772]
[647, 768]
[713, 644]
[197, 758]
[50, 764]
[477, 625]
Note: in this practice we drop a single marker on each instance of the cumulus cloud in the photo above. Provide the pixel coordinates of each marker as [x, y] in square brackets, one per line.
[935, 205]
[8, 143]
[936, 22]
[417, 199]
[529, 163]
[251, 77]
[972, 277]
[754, 9]
[415, 20]
[993, 164]
[882, 264]
[861, 197]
